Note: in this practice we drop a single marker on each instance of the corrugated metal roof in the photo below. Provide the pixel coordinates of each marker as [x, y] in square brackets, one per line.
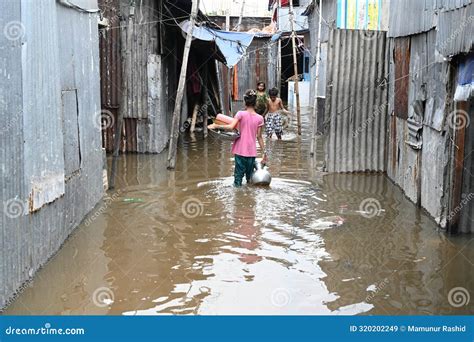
[356, 104]
[448, 5]
[456, 31]
[409, 17]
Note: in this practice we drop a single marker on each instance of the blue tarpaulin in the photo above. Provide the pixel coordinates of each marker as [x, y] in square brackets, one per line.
[231, 45]
[465, 87]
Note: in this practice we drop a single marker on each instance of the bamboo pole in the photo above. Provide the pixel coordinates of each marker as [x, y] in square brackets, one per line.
[179, 96]
[220, 79]
[279, 50]
[316, 88]
[194, 118]
[295, 67]
[228, 70]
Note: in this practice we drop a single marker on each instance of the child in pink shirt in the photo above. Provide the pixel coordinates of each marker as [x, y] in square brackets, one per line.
[245, 147]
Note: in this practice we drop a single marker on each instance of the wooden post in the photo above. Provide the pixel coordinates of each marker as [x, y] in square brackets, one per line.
[316, 87]
[279, 50]
[295, 67]
[220, 87]
[126, 65]
[228, 70]
[194, 118]
[179, 96]
[459, 144]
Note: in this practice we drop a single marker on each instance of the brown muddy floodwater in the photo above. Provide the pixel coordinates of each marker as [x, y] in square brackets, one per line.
[187, 242]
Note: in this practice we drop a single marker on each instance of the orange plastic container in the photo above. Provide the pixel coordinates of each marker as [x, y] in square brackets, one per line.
[224, 119]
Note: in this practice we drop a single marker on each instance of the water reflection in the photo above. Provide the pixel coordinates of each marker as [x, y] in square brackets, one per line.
[187, 242]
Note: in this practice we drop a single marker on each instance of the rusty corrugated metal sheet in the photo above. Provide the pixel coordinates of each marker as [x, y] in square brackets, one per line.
[145, 76]
[418, 157]
[142, 43]
[356, 101]
[110, 63]
[466, 220]
[401, 56]
[258, 65]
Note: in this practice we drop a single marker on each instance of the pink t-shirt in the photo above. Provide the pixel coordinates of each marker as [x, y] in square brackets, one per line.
[246, 145]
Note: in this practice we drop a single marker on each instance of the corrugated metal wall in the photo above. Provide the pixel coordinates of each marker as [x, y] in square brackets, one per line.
[141, 42]
[356, 102]
[110, 64]
[329, 10]
[420, 171]
[258, 65]
[424, 172]
[51, 150]
[132, 47]
[13, 268]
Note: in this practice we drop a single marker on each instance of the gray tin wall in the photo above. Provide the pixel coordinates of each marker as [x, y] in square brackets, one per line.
[51, 152]
[423, 174]
[356, 101]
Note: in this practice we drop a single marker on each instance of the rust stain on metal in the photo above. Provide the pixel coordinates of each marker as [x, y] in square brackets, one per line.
[459, 141]
[394, 141]
[402, 73]
[110, 64]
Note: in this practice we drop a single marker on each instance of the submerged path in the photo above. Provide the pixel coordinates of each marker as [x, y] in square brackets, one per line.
[187, 242]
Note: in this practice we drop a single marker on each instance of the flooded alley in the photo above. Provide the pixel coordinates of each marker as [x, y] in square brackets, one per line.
[188, 242]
